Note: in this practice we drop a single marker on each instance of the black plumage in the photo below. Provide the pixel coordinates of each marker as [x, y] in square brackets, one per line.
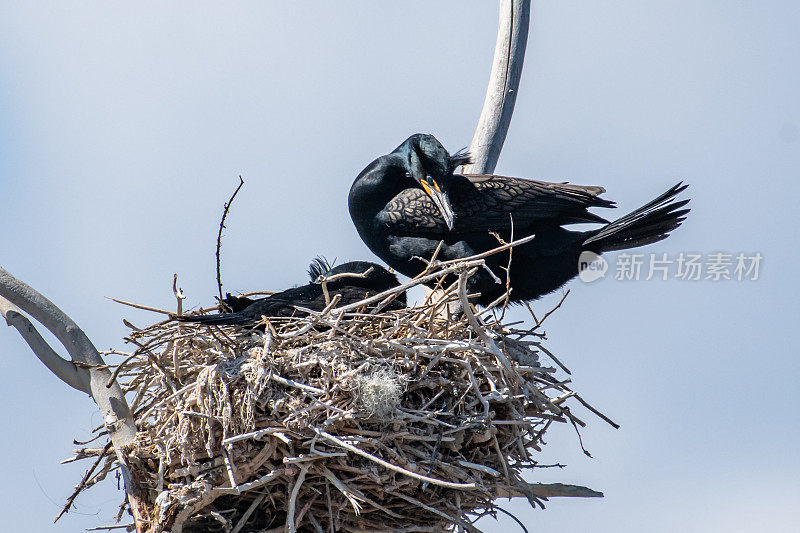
[248, 312]
[404, 203]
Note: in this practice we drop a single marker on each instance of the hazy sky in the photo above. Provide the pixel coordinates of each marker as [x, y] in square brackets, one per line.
[123, 128]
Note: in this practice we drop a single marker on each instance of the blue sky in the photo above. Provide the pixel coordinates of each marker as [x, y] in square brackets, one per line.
[123, 129]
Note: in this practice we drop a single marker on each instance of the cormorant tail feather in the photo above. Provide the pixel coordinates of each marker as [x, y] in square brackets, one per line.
[650, 223]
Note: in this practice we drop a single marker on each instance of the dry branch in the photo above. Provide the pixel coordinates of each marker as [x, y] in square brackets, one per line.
[501, 94]
[86, 372]
[225, 210]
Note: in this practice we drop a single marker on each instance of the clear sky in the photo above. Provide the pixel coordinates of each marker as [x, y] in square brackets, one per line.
[123, 128]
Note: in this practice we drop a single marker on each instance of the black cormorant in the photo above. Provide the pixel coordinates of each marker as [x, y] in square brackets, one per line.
[248, 312]
[404, 203]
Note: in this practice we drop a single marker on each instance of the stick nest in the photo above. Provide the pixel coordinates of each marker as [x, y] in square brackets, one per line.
[342, 420]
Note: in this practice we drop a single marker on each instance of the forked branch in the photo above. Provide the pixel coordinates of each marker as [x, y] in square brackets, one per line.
[86, 371]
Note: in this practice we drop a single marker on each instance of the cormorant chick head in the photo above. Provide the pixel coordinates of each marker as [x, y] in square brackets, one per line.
[431, 166]
[374, 275]
[376, 278]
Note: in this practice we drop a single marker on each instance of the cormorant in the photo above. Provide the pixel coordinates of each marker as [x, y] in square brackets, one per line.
[248, 312]
[404, 203]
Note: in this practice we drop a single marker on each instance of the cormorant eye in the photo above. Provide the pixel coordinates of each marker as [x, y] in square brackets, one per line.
[430, 180]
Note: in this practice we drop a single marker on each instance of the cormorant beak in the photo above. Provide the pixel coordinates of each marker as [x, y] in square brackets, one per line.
[430, 186]
[433, 190]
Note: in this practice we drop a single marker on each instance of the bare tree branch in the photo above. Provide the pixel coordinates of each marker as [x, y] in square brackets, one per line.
[509, 54]
[92, 376]
[227, 207]
[116, 415]
[66, 371]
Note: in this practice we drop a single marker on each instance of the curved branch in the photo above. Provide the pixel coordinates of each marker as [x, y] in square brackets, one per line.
[509, 54]
[92, 377]
[110, 400]
[66, 371]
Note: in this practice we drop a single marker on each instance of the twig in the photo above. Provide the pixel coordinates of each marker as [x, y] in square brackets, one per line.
[554, 358]
[296, 385]
[83, 482]
[595, 411]
[244, 487]
[473, 322]
[514, 518]
[145, 307]
[445, 267]
[246, 515]
[452, 519]
[290, 525]
[481, 468]
[493, 251]
[551, 311]
[219, 235]
[390, 466]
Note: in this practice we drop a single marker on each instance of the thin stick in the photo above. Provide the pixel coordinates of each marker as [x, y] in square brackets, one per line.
[390, 466]
[119, 368]
[550, 312]
[244, 487]
[246, 515]
[82, 484]
[493, 251]
[219, 235]
[139, 306]
[291, 383]
[451, 519]
[473, 322]
[290, 525]
[446, 267]
[595, 411]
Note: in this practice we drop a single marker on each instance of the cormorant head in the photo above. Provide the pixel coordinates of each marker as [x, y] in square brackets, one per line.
[377, 278]
[320, 266]
[431, 167]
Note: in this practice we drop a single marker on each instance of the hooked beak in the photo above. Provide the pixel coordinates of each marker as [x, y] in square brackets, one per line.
[440, 199]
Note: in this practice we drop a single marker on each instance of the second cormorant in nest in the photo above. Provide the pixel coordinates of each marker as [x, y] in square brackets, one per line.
[351, 289]
[404, 203]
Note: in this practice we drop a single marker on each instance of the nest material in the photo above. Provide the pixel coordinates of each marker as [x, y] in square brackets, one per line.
[392, 421]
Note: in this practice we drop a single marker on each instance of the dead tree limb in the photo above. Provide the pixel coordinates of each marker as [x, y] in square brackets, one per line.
[74, 376]
[509, 54]
[86, 372]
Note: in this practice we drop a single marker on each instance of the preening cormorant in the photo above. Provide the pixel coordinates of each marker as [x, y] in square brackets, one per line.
[404, 203]
[247, 311]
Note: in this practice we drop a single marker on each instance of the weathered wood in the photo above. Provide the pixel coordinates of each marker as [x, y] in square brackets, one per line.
[548, 490]
[501, 94]
[87, 371]
[66, 371]
[110, 400]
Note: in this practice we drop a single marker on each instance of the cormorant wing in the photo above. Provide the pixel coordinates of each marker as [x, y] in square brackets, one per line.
[485, 202]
